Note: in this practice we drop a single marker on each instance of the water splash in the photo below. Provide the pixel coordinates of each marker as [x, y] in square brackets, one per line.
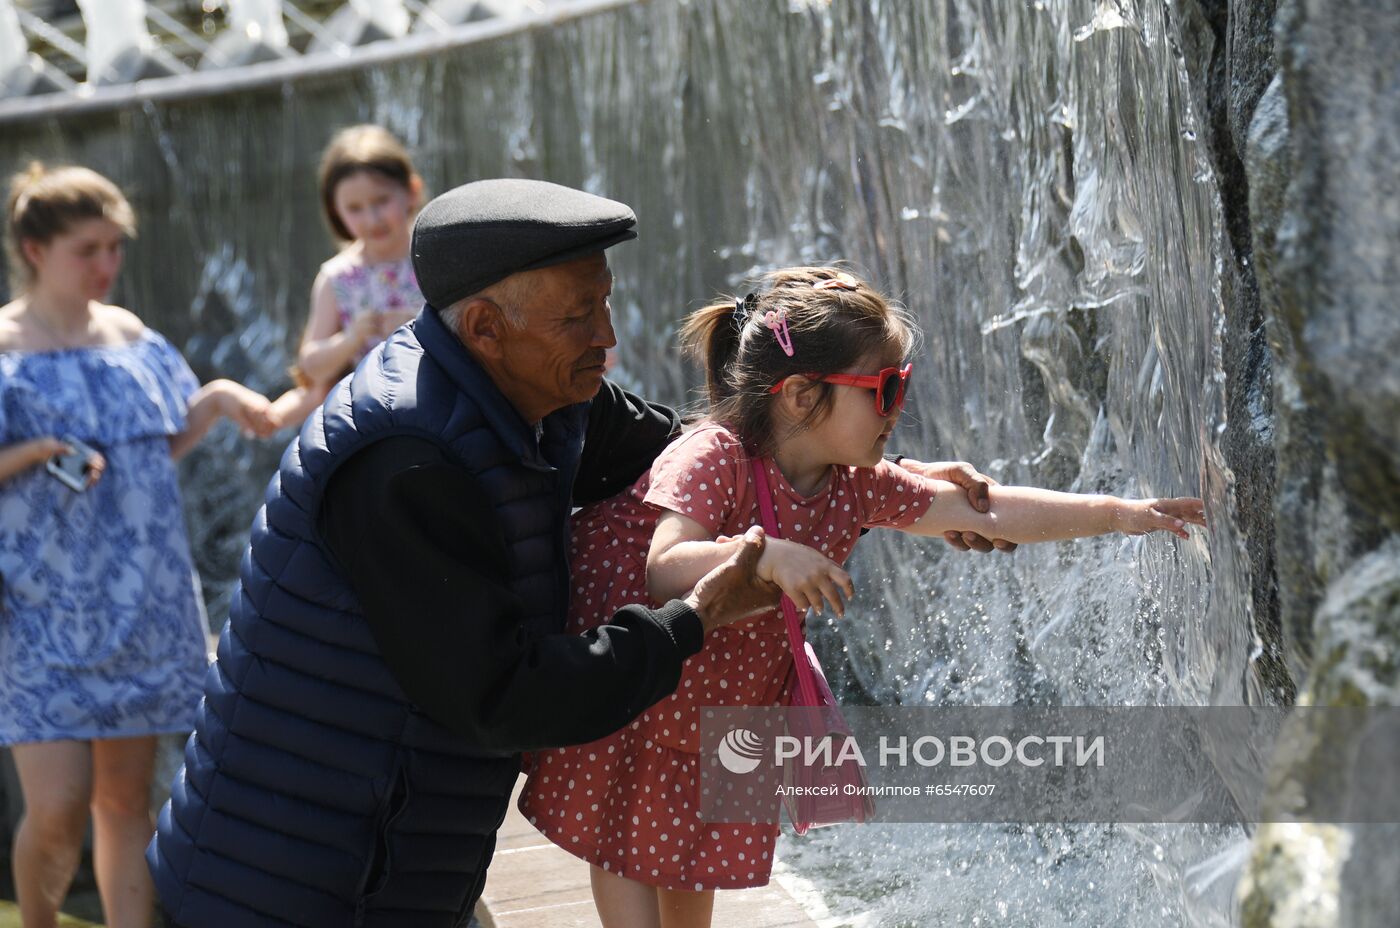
[14, 49]
[114, 28]
[258, 21]
[390, 16]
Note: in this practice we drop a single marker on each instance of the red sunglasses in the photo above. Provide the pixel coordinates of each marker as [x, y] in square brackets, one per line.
[888, 385]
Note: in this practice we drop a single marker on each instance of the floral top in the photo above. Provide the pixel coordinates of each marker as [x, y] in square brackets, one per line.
[359, 288]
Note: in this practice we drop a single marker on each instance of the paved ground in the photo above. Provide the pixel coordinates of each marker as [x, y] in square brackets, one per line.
[9, 918]
[533, 884]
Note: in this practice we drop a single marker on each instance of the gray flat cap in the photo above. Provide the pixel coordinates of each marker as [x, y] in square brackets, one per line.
[476, 234]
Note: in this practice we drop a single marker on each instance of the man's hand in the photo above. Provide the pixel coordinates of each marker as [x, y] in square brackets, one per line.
[733, 590]
[978, 487]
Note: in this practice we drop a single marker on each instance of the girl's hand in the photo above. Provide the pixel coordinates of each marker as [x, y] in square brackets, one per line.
[805, 575]
[1140, 516]
[249, 410]
[364, 327]
[392, 319]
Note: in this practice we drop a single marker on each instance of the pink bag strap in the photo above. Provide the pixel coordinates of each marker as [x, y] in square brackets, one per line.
[806, 685]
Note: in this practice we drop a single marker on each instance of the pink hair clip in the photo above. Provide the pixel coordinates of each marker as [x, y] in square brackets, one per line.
[777, 321]
[842, 281]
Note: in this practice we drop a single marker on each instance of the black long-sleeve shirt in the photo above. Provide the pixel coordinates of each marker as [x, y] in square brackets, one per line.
[417, 539]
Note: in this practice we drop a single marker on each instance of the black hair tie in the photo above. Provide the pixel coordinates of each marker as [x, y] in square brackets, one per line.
[743, 309]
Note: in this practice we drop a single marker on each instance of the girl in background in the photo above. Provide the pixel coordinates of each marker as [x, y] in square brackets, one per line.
[102, 634]
[807, 377]
[370, 193]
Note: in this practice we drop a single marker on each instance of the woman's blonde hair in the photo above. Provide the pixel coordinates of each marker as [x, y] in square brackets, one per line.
[357, 149]
[46, 202]
[832, 328]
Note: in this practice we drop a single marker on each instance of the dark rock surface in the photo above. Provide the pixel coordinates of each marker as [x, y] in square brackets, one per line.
[1303, 105]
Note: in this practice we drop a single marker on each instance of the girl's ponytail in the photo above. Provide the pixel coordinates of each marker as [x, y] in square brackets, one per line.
[710, 338]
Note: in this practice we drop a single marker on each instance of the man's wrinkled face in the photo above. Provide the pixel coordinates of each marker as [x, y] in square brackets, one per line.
[556, 358]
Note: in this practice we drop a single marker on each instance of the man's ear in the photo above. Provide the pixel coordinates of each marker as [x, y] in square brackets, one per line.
[483, 328]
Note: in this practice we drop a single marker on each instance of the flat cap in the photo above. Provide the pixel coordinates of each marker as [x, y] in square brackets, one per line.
[476, 234]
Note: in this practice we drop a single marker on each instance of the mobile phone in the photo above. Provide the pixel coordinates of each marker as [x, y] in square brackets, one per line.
[71, 469]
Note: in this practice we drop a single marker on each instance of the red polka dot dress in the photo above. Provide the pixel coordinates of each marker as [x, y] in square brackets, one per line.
[629, 803]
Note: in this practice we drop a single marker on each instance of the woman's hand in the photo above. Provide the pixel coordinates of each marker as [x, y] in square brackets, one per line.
[96, 465]
[1140, 516]
[807, 576]
[21, 456]
[44, 449]
[38, 450]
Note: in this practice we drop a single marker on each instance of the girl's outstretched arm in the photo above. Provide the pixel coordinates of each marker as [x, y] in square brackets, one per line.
[683, 551]
[293, 406]
[1028, 514]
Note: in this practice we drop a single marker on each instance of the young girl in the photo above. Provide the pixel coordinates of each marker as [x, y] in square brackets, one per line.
[102, 636]
[809, 377]
[369, 195]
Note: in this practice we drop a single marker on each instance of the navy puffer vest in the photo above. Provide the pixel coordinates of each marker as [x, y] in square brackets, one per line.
[313, 792]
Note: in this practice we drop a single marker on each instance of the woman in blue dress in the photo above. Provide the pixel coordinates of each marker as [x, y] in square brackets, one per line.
[102, 634]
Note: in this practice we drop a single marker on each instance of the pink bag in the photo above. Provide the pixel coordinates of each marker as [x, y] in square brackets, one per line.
[817, 793]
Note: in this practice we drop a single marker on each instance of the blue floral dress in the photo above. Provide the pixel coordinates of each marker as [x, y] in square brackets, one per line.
[102, 633]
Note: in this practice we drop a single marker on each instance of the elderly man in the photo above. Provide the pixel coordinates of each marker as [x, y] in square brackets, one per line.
[397, 638]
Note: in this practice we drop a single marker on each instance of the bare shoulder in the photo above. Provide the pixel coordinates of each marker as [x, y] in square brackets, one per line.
[11, 333]
[121, 322]
[344, 260]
